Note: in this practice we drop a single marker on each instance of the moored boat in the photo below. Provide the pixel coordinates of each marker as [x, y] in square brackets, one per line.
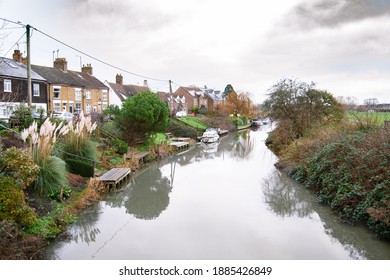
[210, 135]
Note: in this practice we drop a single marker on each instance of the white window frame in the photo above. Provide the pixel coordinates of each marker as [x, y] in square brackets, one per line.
[36, 89]
[57, 89]
[88, 94]
[78, 94]
[7, 85]
[88, 108]
[78, 108]
[104, 95]
[58, 105]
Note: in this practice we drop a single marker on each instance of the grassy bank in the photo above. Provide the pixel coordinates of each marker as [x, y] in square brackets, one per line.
[347, 168]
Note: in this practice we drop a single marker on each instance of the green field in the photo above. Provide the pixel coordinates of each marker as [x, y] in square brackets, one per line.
[369, 117]
[194, 122]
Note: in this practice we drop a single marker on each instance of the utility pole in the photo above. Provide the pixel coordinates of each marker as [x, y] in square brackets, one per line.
[29, 91]
[170, 87]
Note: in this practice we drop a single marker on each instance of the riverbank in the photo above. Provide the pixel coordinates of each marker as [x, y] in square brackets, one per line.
[55, 214]
[347, 167]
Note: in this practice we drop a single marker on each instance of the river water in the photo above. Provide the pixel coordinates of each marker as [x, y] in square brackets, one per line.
[226, 201]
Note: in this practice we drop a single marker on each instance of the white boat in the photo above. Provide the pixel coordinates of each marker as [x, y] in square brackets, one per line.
[210, 135]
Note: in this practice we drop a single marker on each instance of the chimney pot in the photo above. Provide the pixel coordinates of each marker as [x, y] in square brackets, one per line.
[146, 83]
[119, 79]
[61, 63]
[17, 56]
[87, 69]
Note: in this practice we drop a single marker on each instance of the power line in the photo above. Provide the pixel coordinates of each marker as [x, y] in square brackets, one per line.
[14, 22]
[90, 56]
[97, 59]
[15, 44]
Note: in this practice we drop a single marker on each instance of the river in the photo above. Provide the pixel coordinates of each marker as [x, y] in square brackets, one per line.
[222, 202]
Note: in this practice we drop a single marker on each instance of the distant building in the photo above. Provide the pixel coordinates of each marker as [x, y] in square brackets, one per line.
[119, 91]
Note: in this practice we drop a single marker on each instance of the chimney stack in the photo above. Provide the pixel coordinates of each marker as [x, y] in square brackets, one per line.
[146, 83]
[61, 63]
[119, 79]
[87, 69]
[17, 56]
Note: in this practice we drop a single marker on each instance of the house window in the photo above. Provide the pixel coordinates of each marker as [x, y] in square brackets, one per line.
[78, 108]
[57, 91]
[57, 106]
[88, 108]
[104, 95]
[99, 108]
[88, 94]
[105, 106]
[7, 86]
[36, 89]
[78, 94]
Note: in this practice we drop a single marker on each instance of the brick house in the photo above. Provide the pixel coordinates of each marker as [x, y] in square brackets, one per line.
[73, 91]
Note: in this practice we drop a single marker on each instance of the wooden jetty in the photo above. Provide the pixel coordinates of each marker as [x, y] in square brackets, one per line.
[138, 155]
[223, 132]
[180, 145]
[180, 139]
[115, 177]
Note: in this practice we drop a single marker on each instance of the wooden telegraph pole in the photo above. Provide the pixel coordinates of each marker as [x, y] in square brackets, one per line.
[29, 91]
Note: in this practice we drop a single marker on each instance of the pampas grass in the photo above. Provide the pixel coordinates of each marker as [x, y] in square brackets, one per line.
[52, 176]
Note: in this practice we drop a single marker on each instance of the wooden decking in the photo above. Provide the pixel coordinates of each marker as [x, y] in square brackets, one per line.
[115, 177]
[138, 155]
[179, 145]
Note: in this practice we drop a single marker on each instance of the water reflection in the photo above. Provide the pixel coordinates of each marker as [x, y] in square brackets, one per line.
[287, 199]
[284, 197]
[202, 202]
[146, 196]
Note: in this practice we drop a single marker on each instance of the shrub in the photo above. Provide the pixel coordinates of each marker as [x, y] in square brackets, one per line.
[18, 164]
[60, 194]
[23, 115]
[351, 173]
[83, 168]
[112, 129]
[86, 149]
[52, 176]
[121, 146]
[237, 122]
[181, 130]
[13, 206]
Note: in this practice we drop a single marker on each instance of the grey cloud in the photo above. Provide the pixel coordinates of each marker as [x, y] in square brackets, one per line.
[128, 15]
[331, 13]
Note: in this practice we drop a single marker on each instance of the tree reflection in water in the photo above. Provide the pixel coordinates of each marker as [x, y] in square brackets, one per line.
[86, 230]
[284, 198]
[146, 196]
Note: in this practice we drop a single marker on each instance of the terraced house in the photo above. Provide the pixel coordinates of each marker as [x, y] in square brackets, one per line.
[73, 91]
[13, 86]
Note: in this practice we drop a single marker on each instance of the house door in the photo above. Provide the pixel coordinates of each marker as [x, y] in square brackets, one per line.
[71, 108]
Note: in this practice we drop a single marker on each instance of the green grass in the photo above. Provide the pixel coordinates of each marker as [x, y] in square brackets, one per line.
[159, 138]
[371, 117]
[194, 122]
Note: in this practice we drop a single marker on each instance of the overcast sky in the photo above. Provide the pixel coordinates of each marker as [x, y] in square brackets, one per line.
[342, 45]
